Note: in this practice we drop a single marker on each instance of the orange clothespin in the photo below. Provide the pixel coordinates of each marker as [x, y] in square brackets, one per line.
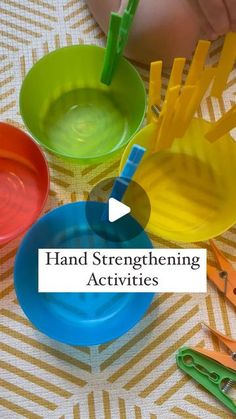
[225, 277]
[227, 360]
[215, 371]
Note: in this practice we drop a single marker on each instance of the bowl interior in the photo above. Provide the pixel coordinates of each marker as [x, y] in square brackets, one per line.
[191, 186]
[74, 318]
[24, 182]
[68, 109]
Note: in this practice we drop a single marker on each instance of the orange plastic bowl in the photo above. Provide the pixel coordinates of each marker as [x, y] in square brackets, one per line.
[24, 182]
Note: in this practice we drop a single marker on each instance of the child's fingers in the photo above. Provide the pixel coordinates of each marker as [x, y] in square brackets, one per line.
[231, 6]
[216, 13]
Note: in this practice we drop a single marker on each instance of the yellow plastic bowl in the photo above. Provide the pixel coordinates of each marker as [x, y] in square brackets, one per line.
[191, 186]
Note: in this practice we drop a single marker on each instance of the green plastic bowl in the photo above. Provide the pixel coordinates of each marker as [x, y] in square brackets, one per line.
[72, 114]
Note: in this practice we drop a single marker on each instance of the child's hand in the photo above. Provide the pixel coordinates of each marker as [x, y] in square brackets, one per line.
[164, 29]
[220, 15]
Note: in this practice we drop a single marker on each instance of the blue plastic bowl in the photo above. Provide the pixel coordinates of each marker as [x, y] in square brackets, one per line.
[75, 318]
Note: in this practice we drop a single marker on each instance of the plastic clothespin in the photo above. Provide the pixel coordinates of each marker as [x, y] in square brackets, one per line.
[118, 34]
[227, 360]
[226, 63]
[122, 182]
[223, 126]
[213, 376]
[131, 164]
[225, 277]
[155, 84]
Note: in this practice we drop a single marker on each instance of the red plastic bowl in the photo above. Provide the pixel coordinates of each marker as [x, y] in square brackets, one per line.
[24, 182]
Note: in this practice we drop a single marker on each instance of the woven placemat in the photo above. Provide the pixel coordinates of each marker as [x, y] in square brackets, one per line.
[135, 376]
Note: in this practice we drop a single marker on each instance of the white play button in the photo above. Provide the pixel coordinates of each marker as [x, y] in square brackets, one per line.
[117, 210]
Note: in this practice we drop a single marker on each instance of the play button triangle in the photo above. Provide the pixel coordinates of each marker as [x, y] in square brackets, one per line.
[117, 210]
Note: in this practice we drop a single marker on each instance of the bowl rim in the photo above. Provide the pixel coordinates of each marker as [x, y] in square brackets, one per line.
[42, 326]
[11, 236]
[87, 159]
[151, 227]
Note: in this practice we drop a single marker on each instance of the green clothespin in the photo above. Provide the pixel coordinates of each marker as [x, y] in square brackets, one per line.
[117, 38]
[216, 378]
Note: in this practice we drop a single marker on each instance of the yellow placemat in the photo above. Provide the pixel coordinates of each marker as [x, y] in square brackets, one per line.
[135, 376]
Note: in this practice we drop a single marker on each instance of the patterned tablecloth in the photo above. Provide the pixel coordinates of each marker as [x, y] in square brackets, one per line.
[134, 376]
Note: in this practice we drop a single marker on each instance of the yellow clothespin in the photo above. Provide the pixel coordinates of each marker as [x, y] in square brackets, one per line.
[181, 106]
[164, 139]
[198, 62]
[223, 125]
[226, 63]
[175, 75]
[198, 94]
[155, 84]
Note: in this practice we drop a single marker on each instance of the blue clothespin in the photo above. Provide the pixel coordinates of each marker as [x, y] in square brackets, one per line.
[122, 182]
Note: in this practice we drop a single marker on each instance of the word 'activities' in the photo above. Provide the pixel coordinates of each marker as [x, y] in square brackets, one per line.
[122, 270]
